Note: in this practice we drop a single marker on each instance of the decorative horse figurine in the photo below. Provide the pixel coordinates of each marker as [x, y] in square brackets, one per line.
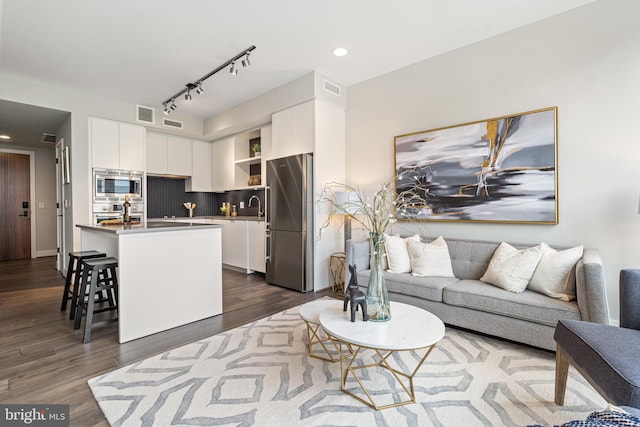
[355, 296]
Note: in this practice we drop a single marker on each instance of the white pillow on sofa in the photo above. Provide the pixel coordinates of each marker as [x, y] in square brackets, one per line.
[555, 275]
[430, 259]
[398, 260]
[511, 269]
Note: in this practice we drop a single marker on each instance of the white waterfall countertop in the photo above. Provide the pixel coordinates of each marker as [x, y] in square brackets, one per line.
[149, 226]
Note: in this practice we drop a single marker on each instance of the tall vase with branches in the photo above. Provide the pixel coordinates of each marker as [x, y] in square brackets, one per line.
[375, 214]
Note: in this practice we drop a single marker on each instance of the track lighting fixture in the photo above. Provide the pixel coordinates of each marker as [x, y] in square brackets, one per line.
[245, 61]
[170, 103]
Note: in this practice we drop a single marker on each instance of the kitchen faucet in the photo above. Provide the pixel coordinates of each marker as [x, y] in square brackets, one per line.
[259, 204]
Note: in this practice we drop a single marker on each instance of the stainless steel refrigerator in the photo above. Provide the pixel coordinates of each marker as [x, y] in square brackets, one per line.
[290, 222]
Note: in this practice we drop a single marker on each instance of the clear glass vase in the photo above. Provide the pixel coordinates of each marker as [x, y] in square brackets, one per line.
[377, 296]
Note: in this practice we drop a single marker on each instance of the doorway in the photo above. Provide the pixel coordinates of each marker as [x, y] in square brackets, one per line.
[16, 200]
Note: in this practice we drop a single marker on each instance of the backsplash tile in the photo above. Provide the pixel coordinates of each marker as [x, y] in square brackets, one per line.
[165, 197]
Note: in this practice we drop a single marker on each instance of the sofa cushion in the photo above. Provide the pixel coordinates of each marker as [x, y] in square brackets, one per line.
[430, 259]
[510, 268]
[555, 275]
[528, 305]
[608, 353]
[398, 260]
[429, 288]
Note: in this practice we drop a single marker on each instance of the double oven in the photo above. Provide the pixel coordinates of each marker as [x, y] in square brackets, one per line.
[109, 190]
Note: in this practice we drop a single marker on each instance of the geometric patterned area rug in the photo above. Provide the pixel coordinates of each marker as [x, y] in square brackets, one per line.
[260, 374]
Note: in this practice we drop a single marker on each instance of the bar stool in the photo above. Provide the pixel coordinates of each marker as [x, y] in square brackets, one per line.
[100, 276]
[75, 268]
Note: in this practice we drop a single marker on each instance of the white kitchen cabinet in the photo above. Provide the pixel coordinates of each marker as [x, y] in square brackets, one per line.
[116, 145]
[179, 161]
[156, 153]
[201, 161]
[132, 147]
[293, 131]
[256, 243]
[222, 164]
[234, 243]
[168, 155]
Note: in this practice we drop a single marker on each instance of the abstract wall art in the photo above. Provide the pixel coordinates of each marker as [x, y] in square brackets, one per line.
[497, 170]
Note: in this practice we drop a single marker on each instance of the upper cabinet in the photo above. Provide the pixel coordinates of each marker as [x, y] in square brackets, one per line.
[222, 158]
[201, 161]
[116, 145]
[179, 156]
[293, 131]
[168, 154]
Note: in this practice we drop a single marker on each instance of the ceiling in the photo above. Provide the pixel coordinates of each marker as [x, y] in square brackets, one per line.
[144, 51]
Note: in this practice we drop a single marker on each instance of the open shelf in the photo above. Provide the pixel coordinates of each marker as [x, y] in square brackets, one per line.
[248, 161]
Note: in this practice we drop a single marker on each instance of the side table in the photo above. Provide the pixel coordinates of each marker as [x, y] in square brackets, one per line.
[310, 313]
[336, 266]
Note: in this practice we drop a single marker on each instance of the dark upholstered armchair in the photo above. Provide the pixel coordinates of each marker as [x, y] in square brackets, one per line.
[606, 356]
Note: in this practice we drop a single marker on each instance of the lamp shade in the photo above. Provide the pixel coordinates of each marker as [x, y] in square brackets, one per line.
[346, 202]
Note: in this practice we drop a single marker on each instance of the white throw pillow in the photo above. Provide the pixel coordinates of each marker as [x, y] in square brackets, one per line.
[430, 259]
[397, 253]
[511, 269]
[556, 273]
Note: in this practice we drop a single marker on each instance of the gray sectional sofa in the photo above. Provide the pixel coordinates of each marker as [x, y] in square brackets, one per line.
[466, 302]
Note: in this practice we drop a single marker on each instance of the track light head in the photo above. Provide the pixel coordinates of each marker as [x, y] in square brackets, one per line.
[233, 70]
[173, 104]
[199, 89]
[166, 110]
[187, 96]
[245, 62]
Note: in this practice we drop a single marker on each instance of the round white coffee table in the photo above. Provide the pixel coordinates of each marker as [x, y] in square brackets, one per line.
[410, 328]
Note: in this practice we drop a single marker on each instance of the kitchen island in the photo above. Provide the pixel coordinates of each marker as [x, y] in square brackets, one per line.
[169, 273]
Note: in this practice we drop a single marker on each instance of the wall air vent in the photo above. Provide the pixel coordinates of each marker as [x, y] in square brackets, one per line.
[145, 114]
[332, 87]
[48, 138]
[172, 123]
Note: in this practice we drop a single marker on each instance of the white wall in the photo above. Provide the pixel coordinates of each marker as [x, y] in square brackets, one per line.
[587, 63]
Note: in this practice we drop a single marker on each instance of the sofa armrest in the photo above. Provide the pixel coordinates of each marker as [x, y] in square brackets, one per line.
[590, 288]
[358, 254]
[630, 298]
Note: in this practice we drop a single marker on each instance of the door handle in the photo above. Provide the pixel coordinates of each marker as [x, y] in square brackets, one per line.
[25, 214]
[267, 237]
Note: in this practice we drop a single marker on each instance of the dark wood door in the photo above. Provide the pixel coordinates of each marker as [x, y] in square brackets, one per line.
[15, 217]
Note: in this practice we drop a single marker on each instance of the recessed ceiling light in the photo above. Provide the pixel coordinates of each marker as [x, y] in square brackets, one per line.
[340, 51]
[5, 137]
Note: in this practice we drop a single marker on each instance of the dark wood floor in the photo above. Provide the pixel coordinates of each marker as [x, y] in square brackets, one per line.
[42, 359]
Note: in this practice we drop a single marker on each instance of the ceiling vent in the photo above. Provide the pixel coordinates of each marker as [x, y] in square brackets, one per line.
[48, 138]
[332, 87]
[172, 123]
[145, 114]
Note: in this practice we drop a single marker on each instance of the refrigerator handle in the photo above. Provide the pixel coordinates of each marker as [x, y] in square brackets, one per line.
[267, 238]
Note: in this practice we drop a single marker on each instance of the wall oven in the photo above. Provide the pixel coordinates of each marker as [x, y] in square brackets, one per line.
[112, 185]
[109, 211]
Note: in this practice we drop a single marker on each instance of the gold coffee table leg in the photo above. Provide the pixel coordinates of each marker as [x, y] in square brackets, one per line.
[348, 366]
[313, 333]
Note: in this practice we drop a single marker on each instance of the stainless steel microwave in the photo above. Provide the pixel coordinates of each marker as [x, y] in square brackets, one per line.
[113, 185]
